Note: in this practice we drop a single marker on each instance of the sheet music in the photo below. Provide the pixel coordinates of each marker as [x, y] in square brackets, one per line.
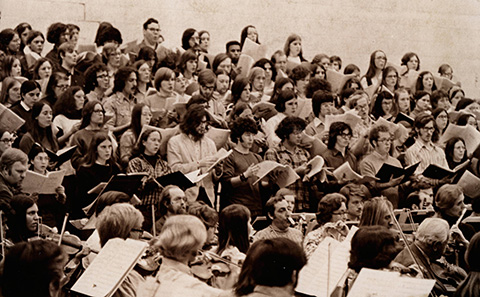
[119, 256]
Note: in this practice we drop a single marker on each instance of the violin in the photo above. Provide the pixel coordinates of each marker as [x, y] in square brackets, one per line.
[70, 243]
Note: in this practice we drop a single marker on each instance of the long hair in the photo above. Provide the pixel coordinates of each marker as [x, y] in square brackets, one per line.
[261, 63]
[469, 287]
[66, 103]
[139, 148]
[187, 34]
[39, 132]
[419, 85]
[233, 228]
[7, 84]
[52, 83]
[92, 152]
[450, 147]
[192, 120]
[374, 211]
[87, 112]
[238, 86]
[135, 124]
[17, 224]
[244, 33]
[91, 80]
[371, 67]
[291, 39]
[39, 64]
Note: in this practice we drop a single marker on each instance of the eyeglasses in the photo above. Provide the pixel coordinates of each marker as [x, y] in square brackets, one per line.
[345, 135]
[7, 140]
[154, 29]
[63, 87]
[206, 88]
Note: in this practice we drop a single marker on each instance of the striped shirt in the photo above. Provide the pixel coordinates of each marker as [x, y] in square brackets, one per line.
[426, 154]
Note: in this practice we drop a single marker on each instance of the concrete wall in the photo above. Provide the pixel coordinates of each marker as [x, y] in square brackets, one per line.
[439, 31]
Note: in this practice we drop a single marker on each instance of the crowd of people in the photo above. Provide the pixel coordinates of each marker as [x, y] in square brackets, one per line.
[140, 108]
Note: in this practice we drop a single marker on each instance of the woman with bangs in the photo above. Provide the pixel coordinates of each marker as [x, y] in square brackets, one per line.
[164, 83]
[10, 93]
[144, 79]
[378, 61]
[256, 79]
[270, 74]
[390, 80]
[222, 91]
[188, 66]
[425, 82]
[68, 112]
[412, 62]
[33, 51]
[11, 67]
[10, 42]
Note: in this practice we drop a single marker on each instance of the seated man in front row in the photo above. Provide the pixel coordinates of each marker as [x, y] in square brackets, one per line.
[279, 217]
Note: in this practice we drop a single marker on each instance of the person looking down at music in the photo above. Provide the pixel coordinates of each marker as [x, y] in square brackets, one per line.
[192, 150]
[146, 158]
[13, 168]
[51, 205]
[179, 241]
[122, 220]
[430, 243]
[331, 216]
[279, 217]
[356, 195]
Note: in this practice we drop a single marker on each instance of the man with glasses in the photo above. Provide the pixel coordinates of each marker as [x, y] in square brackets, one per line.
[381, 139]
[423, 150]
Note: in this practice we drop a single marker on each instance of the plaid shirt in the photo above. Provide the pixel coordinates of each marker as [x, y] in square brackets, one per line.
[140, 164]
[281, 155]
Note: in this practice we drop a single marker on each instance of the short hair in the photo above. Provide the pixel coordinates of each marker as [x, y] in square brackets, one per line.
[299, 72]
[242, 125]
[121, 78]
[337, 128]
[34, 34]
[436, 96]
[464, 103]
[64, 48]
[230, 43]
[148, 22]
[375, 132]
[327, 205]
[181, 234]
[276, 54]
[272, 263]
[187, 34]
[188, 55]
[164, 200]
[407, 58]
[261, 63]
[38, 261]
[11, 156]
[432, 230]
[91, 80]
[422, 120]
[443, 68]
[374, 211]
[446, 196]
[355, 190]
[373, 247]
[117, 220]
[336, 59]
[106, 34]
[206, 76]
[270, 206]
[320, 97]
[28, 86]
[55, 31]
[288, 125]
[162, 74]
[233, 228]
[318, 58]
[284, 97]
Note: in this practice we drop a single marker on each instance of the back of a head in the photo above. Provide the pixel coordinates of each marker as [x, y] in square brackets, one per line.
[375, 211]
[372, 247]
[432, 230]
[272, 263]
[181, 234]
[110, 198]
[118, 220]
[446, 196]
[33, 269]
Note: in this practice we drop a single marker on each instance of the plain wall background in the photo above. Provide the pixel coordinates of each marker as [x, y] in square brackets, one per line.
[439, 31]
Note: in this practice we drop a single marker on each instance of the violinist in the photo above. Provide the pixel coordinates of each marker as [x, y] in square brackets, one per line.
[122, 220]
[179, 241]
[430, 242]
[23, 221]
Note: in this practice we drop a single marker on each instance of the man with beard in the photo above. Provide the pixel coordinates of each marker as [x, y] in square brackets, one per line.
[191, 150]
[279, 217]
[172, 202]
[13, 169]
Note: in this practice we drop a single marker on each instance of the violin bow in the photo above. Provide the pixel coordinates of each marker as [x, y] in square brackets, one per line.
[154, 229]
[1, 234]
[63, 229]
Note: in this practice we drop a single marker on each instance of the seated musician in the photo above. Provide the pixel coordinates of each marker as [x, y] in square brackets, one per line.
[430, 242]
[23, 219]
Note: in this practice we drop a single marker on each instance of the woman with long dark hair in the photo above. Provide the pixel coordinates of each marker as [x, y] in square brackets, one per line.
[68, 112]
[23, 219]
[378, 61]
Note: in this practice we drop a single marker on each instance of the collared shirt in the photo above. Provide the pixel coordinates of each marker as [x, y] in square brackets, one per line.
[315, 127]
[119, 108]
[140, 164]
[299, 157]
[272, 232]
[426, 154]
[334, 158]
